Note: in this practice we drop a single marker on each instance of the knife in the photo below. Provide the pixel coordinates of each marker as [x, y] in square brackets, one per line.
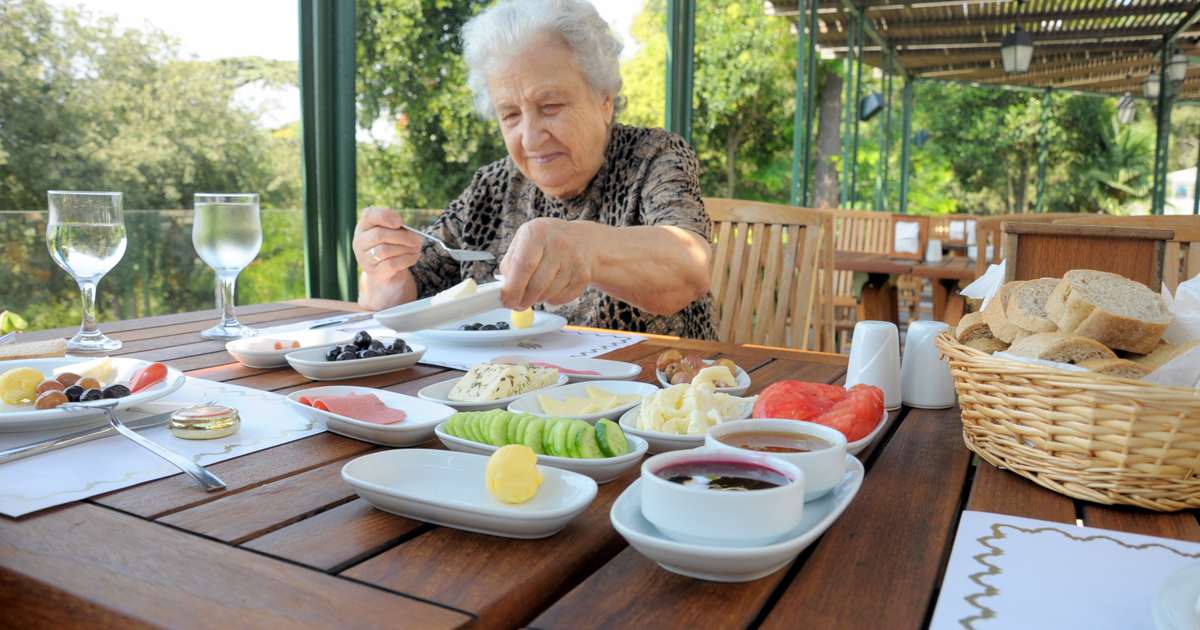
[87, 435]
[343, 319]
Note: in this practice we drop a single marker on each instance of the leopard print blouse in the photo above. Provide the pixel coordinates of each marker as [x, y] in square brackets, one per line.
[649, 177]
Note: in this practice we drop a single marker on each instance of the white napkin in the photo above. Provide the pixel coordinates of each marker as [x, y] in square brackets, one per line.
[1042, 362]
[908, 237]
[986, 285]
[973, 251]
[1185, 312]
[958, 230]
[971, 232]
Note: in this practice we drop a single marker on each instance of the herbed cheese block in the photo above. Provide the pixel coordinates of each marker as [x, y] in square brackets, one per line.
[490, 381]
[1117, 312]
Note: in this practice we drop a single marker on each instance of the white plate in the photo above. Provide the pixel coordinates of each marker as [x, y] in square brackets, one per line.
[265, 359]
[416, 429]
[438, 392]
[15, 418]
[312, 364]
[421, 314]
[731, 564]
[529, 403]
[666, 442]
[743, 380]
[1177, 602]
[448, 489]
[608, 370]
[449, 333]
[602, 470]
[854, 448]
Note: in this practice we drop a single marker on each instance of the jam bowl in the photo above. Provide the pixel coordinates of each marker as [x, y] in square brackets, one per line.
[818, 450]
[722, 497]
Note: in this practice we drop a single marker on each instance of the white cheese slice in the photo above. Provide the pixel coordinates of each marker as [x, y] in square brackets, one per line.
[490, 381]
[462, 289]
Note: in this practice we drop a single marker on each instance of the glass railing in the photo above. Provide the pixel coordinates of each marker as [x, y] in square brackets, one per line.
[160, 272]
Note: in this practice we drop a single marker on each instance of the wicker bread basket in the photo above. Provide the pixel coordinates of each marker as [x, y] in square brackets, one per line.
[1099, 438]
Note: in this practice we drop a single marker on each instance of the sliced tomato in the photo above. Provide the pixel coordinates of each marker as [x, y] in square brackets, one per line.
[796, 400]
[147, 376]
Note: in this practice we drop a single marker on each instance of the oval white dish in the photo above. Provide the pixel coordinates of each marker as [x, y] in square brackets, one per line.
[743, 381]
[438, 392]
[449, 333]
[311, 363]
[416, 429]
[605, 370]
[529, 403]
[265, 359]
[665, 442]
[422, 314]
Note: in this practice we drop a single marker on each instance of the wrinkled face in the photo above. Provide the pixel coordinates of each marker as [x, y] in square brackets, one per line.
[555, 128]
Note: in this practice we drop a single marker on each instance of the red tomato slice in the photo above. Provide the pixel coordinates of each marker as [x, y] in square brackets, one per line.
[796, 400]
[147, 376]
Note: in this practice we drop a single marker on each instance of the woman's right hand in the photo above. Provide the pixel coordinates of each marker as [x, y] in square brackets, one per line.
[385, 251]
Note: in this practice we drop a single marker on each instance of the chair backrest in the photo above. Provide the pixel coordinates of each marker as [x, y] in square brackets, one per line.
[764, 274]
[987, 232]
[1049, 250]
[1183, 250]
[861, 230]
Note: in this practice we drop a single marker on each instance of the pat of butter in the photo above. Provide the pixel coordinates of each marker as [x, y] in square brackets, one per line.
[512, 475]
[462, 289]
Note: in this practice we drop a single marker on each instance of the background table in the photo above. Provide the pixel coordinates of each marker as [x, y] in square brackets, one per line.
[879, 299]
[289, 544]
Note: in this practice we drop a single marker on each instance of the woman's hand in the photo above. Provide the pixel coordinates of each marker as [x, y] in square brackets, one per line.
[385, 251]
[547, 261]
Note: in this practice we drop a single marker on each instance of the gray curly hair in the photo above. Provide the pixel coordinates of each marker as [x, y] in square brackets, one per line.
[512, 26]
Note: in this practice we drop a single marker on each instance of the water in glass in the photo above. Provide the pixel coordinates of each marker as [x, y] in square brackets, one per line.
[86, 237]
[227, 234]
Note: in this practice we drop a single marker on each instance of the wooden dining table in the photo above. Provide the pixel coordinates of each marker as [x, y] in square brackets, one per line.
[879, 297]
[288, 544]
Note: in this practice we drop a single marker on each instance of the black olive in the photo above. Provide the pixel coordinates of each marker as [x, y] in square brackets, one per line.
[347, 356]
[487, 327]
[90, 395]
[369, 354]
[73, 393]
[399, 347]
[502, 325]
[116, 390]
[465, 327]
[362, 340]
[332, 353]
[377, 345]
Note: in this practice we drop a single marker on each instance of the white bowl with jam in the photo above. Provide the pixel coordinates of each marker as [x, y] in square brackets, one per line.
[818, 450]
[722, 497]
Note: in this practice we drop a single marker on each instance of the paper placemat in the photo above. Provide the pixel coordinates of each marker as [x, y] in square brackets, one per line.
[560, 343]
[85, 470]
[1020, 573]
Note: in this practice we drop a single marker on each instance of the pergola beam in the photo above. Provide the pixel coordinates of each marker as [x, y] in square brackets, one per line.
[971, 39]
[900, 23]
[1186, 22]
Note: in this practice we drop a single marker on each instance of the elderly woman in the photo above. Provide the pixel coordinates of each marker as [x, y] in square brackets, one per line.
[593, 220]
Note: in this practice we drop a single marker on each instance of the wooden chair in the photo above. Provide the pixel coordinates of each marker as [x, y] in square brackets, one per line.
[764, 274]
[1184, 249]
[1049, 250]
[987, 232]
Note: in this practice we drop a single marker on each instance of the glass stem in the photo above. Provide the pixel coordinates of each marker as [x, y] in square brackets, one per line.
[228, 284]
[88, 289]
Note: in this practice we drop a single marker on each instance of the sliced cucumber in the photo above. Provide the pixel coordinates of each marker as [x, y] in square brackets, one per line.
[521, 428]
[611, 439]
[498, 428]
[577, 427]
[587, 444]
[449, 428]
[533, 436]
[559, 439]
[548, 435]
[513, 423]
[473, 427]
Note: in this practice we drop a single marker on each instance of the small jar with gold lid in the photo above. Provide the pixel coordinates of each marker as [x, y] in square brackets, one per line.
[205, 423]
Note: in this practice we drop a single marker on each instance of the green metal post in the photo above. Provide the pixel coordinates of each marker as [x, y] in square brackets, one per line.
[811, 112]
[799, 132]
[847, 108]
[1043, 151]
[1196, 185]
[327, 139]
[1165, 102]
[855, 113]
[905, 143]
[885, 138]
[681, 36]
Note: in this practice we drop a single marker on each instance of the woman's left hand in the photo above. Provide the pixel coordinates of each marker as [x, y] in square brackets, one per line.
[546, 262]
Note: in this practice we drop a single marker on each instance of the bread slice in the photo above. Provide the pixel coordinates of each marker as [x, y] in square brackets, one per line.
[972, 327]
[1161, 354]
[987, 345]
[34, 350]
[1027, 305]
[1122, 368]
[997, 319]
[1117, 312]
[1061, 347]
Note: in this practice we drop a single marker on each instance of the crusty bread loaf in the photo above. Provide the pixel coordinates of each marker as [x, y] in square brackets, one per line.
[1027, 305]
[972, 327]
[1117, 312]
[34, 350]
[1122, 368]
[1161, 354]
[997, 319]
[1061, 347]
[988, 345]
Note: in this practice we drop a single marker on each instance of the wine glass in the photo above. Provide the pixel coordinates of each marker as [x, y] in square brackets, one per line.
[86, 237]
[227, 234]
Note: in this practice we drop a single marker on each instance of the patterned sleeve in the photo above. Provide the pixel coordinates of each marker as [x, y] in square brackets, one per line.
[434, 271]
[671, 192]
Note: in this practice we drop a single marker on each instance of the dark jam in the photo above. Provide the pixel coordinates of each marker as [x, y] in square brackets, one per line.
[775, 442]
[723, 475]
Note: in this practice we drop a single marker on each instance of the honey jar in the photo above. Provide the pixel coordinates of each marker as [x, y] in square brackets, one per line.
[205, 423]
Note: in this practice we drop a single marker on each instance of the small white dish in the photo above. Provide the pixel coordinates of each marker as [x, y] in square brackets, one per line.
[20, 418]
[666, 442]
[265, 359]
[446, 488]
[311, 364]
[602, 470]
[604, 370]
[416, 429]
[856, 447]
[421, 314]
[743, 381]
[438, 393]
[1177, 602]
[822, 468]
[731, 564]
[449, 333]
[530, 403]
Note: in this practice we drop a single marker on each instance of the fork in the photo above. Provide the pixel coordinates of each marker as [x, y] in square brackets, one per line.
[461, 255]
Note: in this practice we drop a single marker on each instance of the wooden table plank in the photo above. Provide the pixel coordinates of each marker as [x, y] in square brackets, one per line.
[191, 343]
[1175, 525]
[156, 321]
[1003, 492]
[880, 562]
[168, 578]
